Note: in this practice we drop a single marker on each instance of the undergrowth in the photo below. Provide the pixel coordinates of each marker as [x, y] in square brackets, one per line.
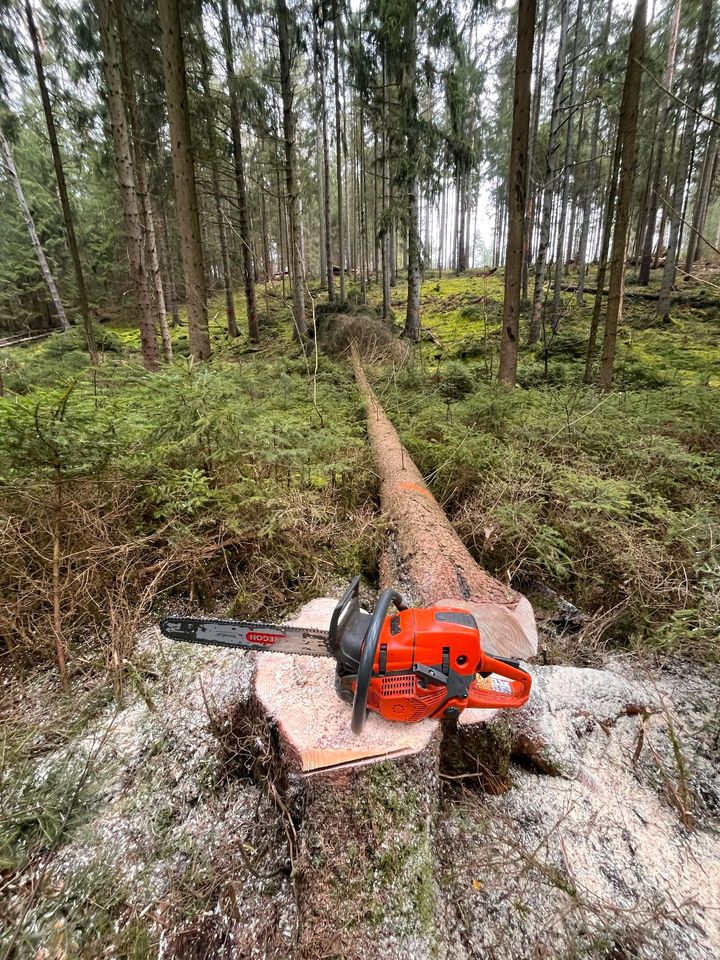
[612, 500]
[245, 484]
[236, 482]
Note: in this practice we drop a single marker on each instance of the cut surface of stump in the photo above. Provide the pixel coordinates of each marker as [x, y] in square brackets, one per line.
[298, 694]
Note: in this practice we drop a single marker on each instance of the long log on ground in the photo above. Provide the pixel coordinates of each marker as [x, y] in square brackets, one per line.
[20, 338]
[427, 559]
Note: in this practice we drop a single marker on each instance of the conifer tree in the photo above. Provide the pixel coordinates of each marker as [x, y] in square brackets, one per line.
[184, 177]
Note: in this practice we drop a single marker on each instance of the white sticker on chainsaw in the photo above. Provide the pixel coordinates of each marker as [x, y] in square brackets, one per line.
[496, 684]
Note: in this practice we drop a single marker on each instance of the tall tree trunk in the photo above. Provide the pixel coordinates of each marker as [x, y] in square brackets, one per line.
[9, 162]
[163, 233]
[530, 191]
[408, 92]
[183, 166]
[659, 149]
[132, 212]
[141, 183]
[683, 163]
[386, 239]
[565, 194]
[456, 224]
[702, 193]
[443, 215]
[594, 168]
[319, 36]
[287, 92]
[264, 228]
[362, 206]
[376, 264]
[546, 216]
[517, 186]
[282, 244]
[231, 318]
[338, 147]
[240, 184]
[427, 245]
[62, 187]
[607, 226]
[627, 133]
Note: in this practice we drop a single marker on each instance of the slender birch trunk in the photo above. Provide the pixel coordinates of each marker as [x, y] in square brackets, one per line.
[9, 163]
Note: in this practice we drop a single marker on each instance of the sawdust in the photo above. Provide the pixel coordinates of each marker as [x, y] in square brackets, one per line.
[603, 861]
[597, 866]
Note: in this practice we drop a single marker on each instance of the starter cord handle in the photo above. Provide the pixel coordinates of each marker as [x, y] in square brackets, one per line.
[367, 655]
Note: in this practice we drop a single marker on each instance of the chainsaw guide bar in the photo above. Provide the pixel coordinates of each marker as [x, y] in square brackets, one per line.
[248, 636]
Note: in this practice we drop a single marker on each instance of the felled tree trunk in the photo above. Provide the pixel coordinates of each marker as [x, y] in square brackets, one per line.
[426, 559]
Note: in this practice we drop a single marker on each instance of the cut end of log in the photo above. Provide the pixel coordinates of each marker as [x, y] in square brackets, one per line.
[504, 631]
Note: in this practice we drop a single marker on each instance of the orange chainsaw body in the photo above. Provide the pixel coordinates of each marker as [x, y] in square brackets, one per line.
[429, 663]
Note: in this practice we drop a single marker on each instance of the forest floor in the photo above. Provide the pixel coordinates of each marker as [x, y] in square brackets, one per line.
[245, 485]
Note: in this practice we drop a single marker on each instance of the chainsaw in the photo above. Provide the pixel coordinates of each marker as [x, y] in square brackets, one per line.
[416, 663]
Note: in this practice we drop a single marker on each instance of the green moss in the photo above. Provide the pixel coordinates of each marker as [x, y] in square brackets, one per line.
[483, 751]
[391, 873]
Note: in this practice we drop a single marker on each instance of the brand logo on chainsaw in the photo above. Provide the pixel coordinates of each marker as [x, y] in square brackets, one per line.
[263, 639]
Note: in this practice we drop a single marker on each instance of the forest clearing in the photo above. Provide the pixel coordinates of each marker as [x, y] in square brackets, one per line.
[426, 295]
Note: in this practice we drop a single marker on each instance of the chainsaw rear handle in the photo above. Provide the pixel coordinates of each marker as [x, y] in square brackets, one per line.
[510, 669]
[367, 655]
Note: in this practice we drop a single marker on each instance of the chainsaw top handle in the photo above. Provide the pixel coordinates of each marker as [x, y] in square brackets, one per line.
[367, 653]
